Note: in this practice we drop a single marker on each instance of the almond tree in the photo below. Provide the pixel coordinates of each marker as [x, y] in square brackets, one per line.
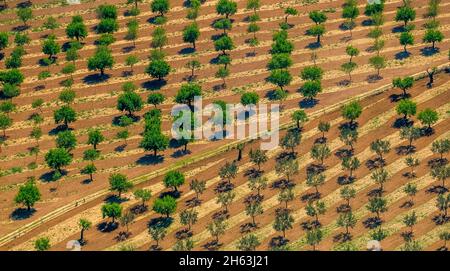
[380, 177]
[258, 157]
[228, 171]
[410, 189]
[198, 187]
[347, 193]
[380, 147]
[314, 209]
[441, 147]
[315, 180]
[188, 217]
[441, 173]
[320, 152]
[412, 163]
[313, 237]
[286, 195]
[248, 242]
[84, 225]
[286, 167]
[258, 183]
[216, 228]
[323, 127]
[377, 205]
[253, 208]
[283, 220]
[346, 220]
[351, 164]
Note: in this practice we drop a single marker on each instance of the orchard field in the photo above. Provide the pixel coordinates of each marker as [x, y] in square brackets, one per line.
[87, 153]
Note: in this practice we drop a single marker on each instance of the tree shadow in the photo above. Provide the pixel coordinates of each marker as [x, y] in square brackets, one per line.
[173, 194]
[402, 122]
[343, 153]
[247, 227]
[223, 187]
[212, 246]
[398, 97]
[86, 181]
[407, 204]
[95, 78]
[49, 177]
[398, 29]
[278, 242]
[376, 192]
[345, 179]
[320, 140]
[22, 213]
[183, 234]
[313, 45]
[149, 159]
[122, 236]
[402, 55]
[437, 162]
[405, 150]
[282, 184]
[373, 78]
[429, 51]
[367, 22]
[437, 189]
[106, 227]
[308, 197]
[250, 54]
[115, 199]
[372, 222]
[186, 51]
[440, 219]
[221, 215]
[342, 237]
[24, 4]
[180, 153]
[154, 84]
[139, 209]
[315, 169]
[120, 148]
[253, 173]
[163, 222]
[308, 103]
[128, 49]
[39, 87]
[20, 28]
[343, 208]
[310, 225]
[344, 83]
[59, 128]
[194, 202]
[219, 87]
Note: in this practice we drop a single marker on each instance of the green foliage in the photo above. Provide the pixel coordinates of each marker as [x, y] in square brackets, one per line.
[119, 183]
[158, 68]
[66, 140]
[174, 179]
[58, 158]
[165, 206]
[65, 114]
[249, 98]
[28, 194]
[101, 60]
[112, 210]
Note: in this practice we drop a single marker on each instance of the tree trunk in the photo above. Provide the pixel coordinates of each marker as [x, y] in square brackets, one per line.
[82, 236]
